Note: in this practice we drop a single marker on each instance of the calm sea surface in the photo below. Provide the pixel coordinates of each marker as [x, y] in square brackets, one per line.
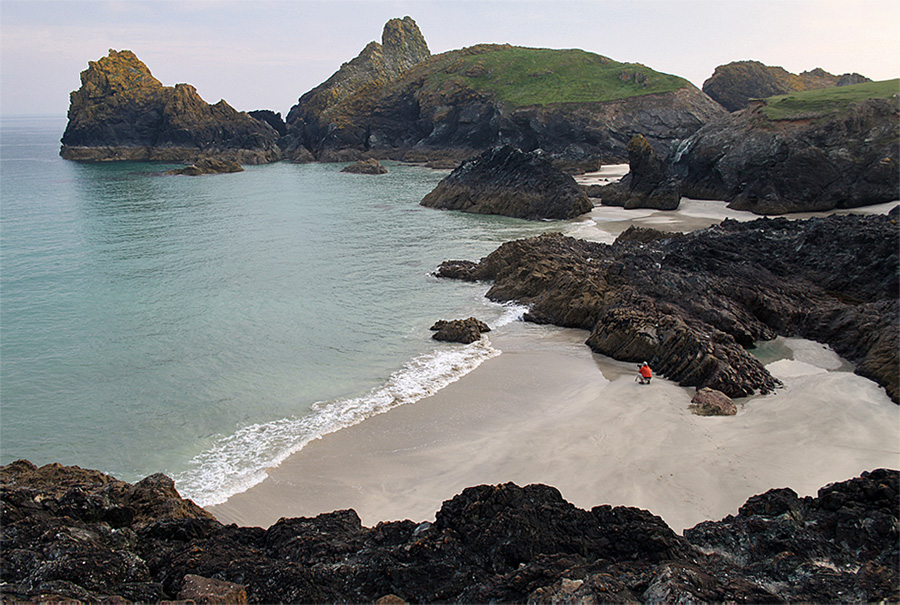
[206, 327]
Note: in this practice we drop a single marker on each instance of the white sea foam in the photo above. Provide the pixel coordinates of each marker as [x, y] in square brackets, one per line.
[238, 462]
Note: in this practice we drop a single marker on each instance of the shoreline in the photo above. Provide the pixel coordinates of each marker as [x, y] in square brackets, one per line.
[547, 410]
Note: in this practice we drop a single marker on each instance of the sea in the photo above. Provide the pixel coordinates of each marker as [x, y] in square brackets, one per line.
[207, 327]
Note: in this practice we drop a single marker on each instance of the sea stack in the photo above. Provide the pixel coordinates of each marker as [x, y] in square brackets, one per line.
[121, 112]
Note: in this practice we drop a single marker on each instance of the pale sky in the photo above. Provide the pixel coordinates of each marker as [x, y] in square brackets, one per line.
[264, 54]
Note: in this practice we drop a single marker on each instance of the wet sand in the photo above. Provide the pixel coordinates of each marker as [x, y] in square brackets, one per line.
[547, 410]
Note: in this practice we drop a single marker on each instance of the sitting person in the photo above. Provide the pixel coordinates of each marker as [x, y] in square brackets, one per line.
[644, 374]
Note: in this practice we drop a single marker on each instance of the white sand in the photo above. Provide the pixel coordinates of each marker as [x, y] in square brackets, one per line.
[547, 410]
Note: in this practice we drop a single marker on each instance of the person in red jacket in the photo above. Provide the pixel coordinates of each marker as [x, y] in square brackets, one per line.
[645, 374]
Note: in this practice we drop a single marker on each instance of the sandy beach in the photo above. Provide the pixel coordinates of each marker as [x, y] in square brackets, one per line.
[547, 410]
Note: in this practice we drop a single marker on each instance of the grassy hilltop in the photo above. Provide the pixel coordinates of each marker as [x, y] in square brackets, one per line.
[824, 102]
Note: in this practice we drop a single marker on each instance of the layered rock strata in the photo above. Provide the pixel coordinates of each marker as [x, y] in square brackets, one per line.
[734, 84]
[810, 162]
[121, 112]
[506, 181]
[73, 534]
[692, 304]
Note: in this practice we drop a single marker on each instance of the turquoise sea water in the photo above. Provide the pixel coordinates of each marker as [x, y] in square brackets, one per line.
[206, 327]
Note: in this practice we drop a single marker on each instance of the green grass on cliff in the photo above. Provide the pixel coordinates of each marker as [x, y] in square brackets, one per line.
[826, 101]
[537, 76]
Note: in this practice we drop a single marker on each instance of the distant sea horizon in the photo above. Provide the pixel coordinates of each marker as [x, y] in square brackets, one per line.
[207, 327]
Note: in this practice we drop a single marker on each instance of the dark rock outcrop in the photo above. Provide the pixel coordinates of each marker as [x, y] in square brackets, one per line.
[648, 183]
[734, 84]
[367, 166]
[465, 331]
[208, 166]
[448, 107]
[709, 402]
[843, 159]
[121, 112]
[509, 182]
[690, 304]
[501, 543]
[271, 118]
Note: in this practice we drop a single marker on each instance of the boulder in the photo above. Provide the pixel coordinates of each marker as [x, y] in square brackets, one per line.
[691, 304]
[648, 183]
[367, 166]
[465, 331]
[121, 112]
[710, 402]
[506, 181]
[202, 590]
[208, 166]
[734, 84]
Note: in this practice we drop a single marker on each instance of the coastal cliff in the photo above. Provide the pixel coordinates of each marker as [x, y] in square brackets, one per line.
[810, 151]
[121, 112]
[734, 84]
[692, 304]
[75, 534]
[578, 107]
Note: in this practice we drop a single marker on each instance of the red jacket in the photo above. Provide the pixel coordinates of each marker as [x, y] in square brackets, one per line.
[645, 371]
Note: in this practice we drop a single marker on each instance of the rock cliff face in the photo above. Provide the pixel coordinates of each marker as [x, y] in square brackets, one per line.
[734, 84]
[844, 158]
[121, 112]
[509, 182]
[70, 533]
[578, 107]
[690, 304]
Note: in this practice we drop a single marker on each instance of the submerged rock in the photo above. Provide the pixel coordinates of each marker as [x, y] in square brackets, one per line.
[367, 166]
[465, 331]
[690, 304]
[490, 543]
[506, 181]
[121, 112]
[208, 166]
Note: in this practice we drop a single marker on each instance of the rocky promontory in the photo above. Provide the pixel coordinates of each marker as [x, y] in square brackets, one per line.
[579, 107]
[812, 151]
[121, 112]
[692, 305]
[506, 181]
[734, 84]
[77, 535]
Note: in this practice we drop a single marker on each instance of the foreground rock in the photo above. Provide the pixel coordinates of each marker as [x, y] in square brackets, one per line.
[506, 181]
[691, 304]
[816, 154]
[121, 112]
[367, 166]
[62, 540]
[734, 84]
[709, 402]
[648, 183]
[208, 166]
[465, 331]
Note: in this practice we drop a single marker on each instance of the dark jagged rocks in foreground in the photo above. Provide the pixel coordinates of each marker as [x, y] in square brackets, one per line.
[74, 534]
[691, 304]
[121, 112]
[506, 181]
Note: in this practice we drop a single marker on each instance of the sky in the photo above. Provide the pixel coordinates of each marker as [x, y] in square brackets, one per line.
[264, 54]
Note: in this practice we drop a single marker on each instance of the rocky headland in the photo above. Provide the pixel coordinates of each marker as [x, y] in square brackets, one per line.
[121, 112]
[734, 84]
[509, 182]
[78, 535]
[693, 304]
[397, 101]
[812, 151]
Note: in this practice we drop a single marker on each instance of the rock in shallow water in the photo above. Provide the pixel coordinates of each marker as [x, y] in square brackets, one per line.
[465, 331]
